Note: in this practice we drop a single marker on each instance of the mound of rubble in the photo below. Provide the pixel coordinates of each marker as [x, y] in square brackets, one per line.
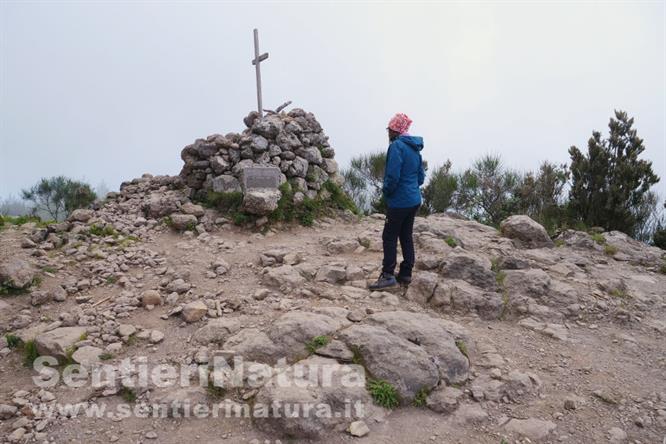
[293, 143]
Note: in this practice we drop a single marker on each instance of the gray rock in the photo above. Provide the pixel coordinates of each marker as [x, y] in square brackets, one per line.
[292, 331]
[331, 274]
[253, 345]
[525, 231]
[87, 355]
[283, 276]
[7, 411]
[261, 202]
[81, 215]
[358, 429]
[226, 184]
[151, 297]
[193, 209]
[217, 330]
[218, 164]
[389, 357]
[268, 126]
[182, 222]
[435, 336]
[59, 342]
[444, 399]
[295, 388]
[194, 311]
[469, 267]
[531, 428]
[17, 274]
[336, 350]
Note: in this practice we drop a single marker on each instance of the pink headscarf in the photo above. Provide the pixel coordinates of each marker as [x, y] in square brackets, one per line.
[400, 123]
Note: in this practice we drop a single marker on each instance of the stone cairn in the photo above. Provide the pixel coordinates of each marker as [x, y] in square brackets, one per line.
[291, 147]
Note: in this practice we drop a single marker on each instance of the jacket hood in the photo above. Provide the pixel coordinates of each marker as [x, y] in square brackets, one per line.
[414, 142]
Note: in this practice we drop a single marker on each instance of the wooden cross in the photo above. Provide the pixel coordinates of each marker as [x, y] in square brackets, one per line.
[256, 62]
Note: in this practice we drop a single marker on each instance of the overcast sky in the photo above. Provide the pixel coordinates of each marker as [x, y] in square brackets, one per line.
[108, 91]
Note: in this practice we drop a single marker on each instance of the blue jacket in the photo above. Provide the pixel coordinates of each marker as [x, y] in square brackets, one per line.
[404, 172]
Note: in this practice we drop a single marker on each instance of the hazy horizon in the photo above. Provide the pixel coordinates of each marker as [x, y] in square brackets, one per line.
[104, 92]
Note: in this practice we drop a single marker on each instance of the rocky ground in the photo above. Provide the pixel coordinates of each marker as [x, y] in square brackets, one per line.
[502, 336]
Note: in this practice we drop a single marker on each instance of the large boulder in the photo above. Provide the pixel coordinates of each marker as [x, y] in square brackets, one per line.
[525, 232]
[284, 276]
[182, 222]
[217, 330]
[254, 345]
[59, 342]
[436, 336]
[392, 358]
[261, 202]
[17, 274]
[315, 381]
[469, 267]
[292, 331]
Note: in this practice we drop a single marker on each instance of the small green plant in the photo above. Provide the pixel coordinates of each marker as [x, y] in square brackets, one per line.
[420, 398]
[662, 269]
[30, 353]
[339, 198]
[462, 347]
[317, 342]
[619, 293]
[6, 289]
[610, 250]
[365, 242]
[191, 226]
[69, 353]
[239, 218]
[111, 280]
[83, 336]
[383, 393]
[49, 269]
[225, 202]
[559, 243]
[500, 276]
[168, 221]
[215, 391]
[128, 394]
[103, 231]
[495, 265]
[105, 356]
[357, 357]
[598, 238]
[451, 242]
[13, 341]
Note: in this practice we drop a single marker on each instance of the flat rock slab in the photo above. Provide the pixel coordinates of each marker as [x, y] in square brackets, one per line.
[58, 342]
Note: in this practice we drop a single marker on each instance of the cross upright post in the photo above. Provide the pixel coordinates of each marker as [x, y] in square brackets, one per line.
[256, 62]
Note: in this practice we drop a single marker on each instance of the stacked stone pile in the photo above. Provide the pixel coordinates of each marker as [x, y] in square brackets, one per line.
[294, 142]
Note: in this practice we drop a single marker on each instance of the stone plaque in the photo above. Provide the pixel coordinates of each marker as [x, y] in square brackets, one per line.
[260, 177]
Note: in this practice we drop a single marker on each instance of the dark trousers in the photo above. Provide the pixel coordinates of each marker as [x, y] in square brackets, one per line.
[399, 225]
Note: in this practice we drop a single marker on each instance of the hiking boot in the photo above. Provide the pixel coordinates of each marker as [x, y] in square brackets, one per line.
[385, 281]
[404, 280]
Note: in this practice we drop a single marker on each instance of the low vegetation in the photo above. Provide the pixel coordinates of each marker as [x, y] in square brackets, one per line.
[383, 393]
[317, 342]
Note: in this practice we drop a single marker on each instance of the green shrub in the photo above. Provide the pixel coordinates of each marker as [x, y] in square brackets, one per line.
[317, 342]
[339, 198]
[383, 393]
[215, 391]
[451, 242]
[598, 238]
[559, 243]
[462, 347]
[420, 398]
[105, 356]
[610, 250]
[127, 394]
[30, 353]
[13, 341]
[225, 202]
[97, 230]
